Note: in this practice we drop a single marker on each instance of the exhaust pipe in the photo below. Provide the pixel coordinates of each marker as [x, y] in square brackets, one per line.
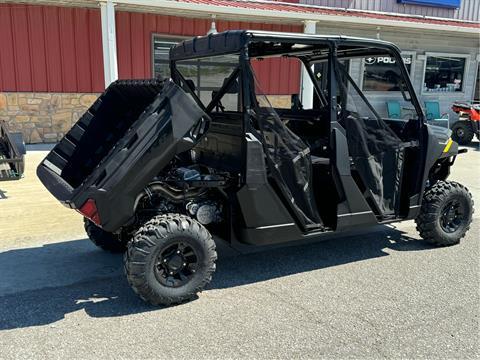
[169, 193]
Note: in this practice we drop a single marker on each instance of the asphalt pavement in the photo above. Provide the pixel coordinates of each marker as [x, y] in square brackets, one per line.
[377, 293]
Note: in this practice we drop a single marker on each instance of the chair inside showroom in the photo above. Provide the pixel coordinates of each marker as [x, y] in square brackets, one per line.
[397, 112]
[394, 110]
[432, 111]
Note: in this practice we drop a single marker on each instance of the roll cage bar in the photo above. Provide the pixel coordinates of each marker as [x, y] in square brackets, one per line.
[307, 48]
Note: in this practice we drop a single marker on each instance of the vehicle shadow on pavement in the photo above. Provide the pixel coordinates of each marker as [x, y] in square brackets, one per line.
[40, 286]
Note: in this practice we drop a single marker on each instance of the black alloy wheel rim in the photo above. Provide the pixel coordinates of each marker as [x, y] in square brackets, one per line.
[176, 264]
[452, 216]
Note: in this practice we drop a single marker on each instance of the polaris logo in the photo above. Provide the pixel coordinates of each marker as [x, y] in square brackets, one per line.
[386, 60]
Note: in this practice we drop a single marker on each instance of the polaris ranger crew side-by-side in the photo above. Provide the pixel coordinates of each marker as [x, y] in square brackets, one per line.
[158, 166]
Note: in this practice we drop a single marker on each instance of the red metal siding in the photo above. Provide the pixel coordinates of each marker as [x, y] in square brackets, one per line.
[47, 48]
[22, 51]
[134, 47]
[37, 44]
[59, 49]
[7, 60]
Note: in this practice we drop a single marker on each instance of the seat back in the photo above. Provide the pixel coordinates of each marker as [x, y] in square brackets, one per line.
[394, 110]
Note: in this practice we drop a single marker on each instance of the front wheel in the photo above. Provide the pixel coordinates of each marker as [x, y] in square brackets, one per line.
[462, 132]
[170, 259]
[446, 213]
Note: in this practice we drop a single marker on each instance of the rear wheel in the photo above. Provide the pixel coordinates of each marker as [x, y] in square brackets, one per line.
[116, 243]
[462, 132]
[446, 213]
[170, 259]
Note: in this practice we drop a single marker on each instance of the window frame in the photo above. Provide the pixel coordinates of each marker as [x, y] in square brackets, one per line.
[467, 58]
[411, 73]
[476, 84]
[166, 37]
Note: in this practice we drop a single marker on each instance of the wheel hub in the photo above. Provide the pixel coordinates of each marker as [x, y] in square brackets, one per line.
[176, 264]
[452, 216]
[460, 132]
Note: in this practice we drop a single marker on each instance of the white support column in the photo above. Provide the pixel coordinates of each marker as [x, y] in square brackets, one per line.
[109, 41]
[310, 27]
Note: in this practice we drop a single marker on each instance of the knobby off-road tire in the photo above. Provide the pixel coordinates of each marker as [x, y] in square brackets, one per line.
[446, 213]
[115, 243]
[462, 132]
[170, 259]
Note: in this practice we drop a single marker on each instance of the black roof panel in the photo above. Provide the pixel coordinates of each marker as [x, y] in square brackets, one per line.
[232, 41]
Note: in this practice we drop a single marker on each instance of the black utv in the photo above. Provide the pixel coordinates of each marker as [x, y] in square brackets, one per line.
[158, 166]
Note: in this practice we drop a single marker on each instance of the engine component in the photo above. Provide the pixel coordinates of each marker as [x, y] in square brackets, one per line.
[187, 174]
[171, 194]
[205, 212]
[166, 207]
[194, 155]
[192, 208]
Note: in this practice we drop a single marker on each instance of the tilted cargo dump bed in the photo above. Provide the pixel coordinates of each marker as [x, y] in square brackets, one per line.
[118, 146]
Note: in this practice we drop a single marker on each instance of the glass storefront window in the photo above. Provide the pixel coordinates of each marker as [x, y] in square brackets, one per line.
[382, 73]
[161, 48]
[444, 74]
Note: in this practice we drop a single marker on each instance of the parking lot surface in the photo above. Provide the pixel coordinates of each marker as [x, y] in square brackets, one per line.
[376, 293]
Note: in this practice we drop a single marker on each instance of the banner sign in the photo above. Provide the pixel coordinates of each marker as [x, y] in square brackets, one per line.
[453, 4]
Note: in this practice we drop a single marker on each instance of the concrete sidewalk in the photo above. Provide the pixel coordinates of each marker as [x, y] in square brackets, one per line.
[28, 213]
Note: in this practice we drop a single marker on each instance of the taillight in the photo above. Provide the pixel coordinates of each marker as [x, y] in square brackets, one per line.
[89, 210]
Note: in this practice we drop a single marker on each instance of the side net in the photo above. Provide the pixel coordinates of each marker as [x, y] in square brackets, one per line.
[376, 151]
[288, 159]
